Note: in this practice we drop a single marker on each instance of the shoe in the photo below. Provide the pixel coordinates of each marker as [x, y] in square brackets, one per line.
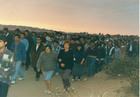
[85, 79]
[49, 92]
[46, 91]
[13, 82]
[26, 68]
[37, 79]
[73, 80]
[78, 79]
[56, 73]
[20, 79]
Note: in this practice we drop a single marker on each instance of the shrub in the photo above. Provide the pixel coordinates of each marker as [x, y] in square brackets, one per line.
[126, 67]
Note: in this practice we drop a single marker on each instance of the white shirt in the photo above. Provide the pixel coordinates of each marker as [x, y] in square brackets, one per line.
[130, 48]
[37, 47]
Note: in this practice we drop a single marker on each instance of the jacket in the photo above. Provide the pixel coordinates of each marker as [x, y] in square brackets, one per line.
[67, 59]
[36, 53]
[20, 54]
[6, 66]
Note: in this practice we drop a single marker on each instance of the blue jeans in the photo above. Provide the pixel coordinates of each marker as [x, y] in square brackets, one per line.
[91, 69]
[18, 70]
[107, 59]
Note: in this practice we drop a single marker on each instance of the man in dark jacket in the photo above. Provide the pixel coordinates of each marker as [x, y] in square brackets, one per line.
[20, 57]
[100, 58]
[31, 43]
[35, 53]
[8, 37]
[92, 55]
[131, 49]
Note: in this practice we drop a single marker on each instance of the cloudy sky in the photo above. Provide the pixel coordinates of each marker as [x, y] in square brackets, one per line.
[93, 16]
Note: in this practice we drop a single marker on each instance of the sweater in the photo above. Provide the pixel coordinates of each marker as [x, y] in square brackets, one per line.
[47, 61]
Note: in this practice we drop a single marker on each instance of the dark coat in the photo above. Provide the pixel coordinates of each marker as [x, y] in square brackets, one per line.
[67, 59]
[31, 43]
[9, 39]
[134, 49]
[35, 54]
[101, 53]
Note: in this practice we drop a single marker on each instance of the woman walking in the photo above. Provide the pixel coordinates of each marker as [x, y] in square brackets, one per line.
[79, 58]
[47, 63]
[65, 59]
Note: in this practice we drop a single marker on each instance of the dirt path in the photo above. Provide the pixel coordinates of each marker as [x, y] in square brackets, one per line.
[96, 86]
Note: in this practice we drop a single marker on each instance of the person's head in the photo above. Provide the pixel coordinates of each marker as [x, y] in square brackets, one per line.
[67, 37]
[17, 31]
[77, 41]
[52, 38]
[98, 45]
[41, 35]
[82, 40]
[5, 30]
[16, 38]
[72, 41]
[3, 41]
[60, 38]
[55, 43]
[38, 40]
[79, 47]
[109, 43]
[88, 40]
[131, 41]
[33, 34]
[26, 32]
[48, 49]
[66, 45]
[116, 46]
[22, 35]
[92, 44]
[45, 34]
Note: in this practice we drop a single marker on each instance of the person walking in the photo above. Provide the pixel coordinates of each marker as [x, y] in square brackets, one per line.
[92, 55]
[20, 57]
[47, 63]
[79, 58]
[37, 49]
[65, 59]
[6, 67]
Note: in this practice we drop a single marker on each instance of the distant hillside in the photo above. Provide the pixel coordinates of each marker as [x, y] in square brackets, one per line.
[23, 28]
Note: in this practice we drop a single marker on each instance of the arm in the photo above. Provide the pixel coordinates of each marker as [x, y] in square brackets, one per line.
[23, 53]
[11, 66]
[60, 57]
[39, 62]
[27, 45]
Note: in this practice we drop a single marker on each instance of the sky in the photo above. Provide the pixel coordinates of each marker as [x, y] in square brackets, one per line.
[92, 16]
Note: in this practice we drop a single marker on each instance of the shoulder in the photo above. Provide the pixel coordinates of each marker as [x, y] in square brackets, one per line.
[42, 53]
[54, 53]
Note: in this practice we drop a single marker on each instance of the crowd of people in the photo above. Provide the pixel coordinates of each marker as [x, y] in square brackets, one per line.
[60, 53]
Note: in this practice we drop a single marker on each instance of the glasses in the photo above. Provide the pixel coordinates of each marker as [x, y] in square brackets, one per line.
[38, 39]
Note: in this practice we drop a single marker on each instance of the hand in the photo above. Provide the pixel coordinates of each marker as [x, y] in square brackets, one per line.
[62, 65]
[60, 60]
[103, 59]
[81, 63]
[24, 62]
[38, 70]
[112, 57]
